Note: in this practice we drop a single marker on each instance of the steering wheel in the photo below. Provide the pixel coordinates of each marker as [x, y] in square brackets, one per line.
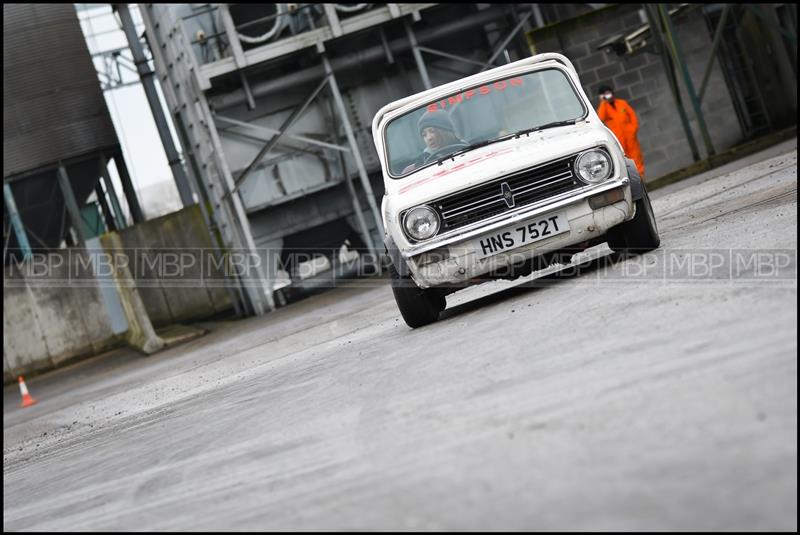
[434, 154]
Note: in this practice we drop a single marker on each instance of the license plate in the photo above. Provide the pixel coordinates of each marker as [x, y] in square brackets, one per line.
[522, 233]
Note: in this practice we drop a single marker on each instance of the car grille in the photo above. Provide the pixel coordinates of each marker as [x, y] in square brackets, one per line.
[526, 187]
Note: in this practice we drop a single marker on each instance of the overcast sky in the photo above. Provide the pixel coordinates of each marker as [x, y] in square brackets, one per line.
[127, 105]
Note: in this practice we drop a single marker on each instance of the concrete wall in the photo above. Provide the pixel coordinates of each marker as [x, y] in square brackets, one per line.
[188, 295]
[53, 311]
[640, 79]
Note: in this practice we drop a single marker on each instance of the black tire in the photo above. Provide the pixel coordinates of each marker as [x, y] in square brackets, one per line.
[418, 306]
[638, 235]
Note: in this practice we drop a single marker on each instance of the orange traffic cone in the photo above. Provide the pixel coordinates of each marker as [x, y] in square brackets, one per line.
[27, 399]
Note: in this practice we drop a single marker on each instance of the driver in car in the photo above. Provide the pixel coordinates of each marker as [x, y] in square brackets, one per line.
[439, 135]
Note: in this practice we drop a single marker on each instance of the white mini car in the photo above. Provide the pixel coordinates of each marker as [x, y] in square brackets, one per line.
[499, 174]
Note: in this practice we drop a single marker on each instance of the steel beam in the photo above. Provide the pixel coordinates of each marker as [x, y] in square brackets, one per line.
[351, 139]
[183, 89]
[127, 188]
[385, 44]
[311, 38]
[714, 46]
[333, 19]
[105, 177]
[237, 295]
[537, 15]
[362, 223]
[412, 39]
[251, 102]
[233, 36]
[16, 221]
[353, 61]
[74, 211]
[283, 128]
[449, 56]
[756, 9]
[267, 132]
[677, 54]
[260, 294]
[107, 213]
[655, 29]
[148, 83]
[502, 46]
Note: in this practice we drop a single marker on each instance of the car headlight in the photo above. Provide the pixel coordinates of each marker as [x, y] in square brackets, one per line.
[421, 223]
[593, 166]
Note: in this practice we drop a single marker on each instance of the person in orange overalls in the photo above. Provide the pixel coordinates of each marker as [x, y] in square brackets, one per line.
[620, 118]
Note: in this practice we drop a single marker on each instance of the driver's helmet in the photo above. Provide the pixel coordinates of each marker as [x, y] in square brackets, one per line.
[437, 119]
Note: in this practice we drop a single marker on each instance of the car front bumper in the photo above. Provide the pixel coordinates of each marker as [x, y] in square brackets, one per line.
[456, 261]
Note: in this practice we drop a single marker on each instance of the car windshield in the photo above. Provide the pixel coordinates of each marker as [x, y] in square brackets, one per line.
[479, 115]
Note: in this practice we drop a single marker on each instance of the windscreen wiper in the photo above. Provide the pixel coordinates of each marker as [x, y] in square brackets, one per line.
[503, 138]
[554, 124]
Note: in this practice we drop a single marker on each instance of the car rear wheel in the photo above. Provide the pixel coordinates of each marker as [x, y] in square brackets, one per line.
[418, 306]
[638, 235]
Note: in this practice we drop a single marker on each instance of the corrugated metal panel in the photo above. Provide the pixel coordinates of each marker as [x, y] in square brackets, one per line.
[52, 102]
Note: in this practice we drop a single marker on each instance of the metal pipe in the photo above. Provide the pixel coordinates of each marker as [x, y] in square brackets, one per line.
[148, 83]
[714, 46]
[351, 139]
[677, 54]
[16, 221]
[351, 61]
[128, 189]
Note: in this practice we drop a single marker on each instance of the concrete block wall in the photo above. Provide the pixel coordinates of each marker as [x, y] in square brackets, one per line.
[181, 298]
[55, 312]
[52, 313]
[640, 79]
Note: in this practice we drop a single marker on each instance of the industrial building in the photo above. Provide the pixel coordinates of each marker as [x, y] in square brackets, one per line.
[272, 105]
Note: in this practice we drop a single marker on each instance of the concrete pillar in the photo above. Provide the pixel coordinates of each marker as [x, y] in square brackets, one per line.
[141, 334]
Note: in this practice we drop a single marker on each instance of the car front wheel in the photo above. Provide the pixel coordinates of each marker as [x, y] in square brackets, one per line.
[418, 306]
[638, 235]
